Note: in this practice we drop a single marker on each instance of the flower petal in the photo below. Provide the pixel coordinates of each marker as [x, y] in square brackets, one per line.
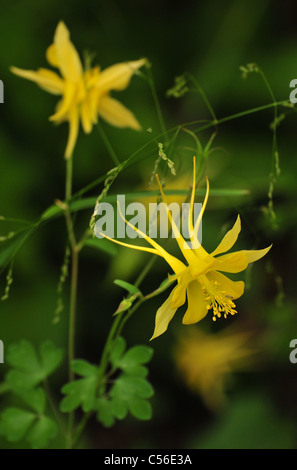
[229, 239]
[233, 288]
[51, 56]
[179, 295]
[177, 265]
[117, 114]
[73, 131]
[163, 316]
[184, 248]
[66, 102]
[86, 117]
[118, 76]
[254, 255]
[44, 78]
[66, 55]
[197, 308]
[232, 262]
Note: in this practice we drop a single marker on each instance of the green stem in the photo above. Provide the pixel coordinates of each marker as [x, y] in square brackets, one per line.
[108, 145]
[73, 285]
[157, 103]
[204, 97]
[53, 407]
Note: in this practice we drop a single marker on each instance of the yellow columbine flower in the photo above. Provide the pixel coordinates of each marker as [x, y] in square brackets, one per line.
[206, 361]
[200, 279]
[85, 93]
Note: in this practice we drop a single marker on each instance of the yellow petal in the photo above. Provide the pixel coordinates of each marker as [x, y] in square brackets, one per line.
[66, 54]
[199, 218]
[193, 238]
[232, 262]
[44, 78]
[66, 103]
[117, 114]
[163, 316]
[254, 255]
[117, 77]
[86, 117]
[177, 265]
[73, 131]
[179, 294]
[187, 252]
[128, 245]
[51, 56]
[229, 239]
[233, 288]
[197, 308]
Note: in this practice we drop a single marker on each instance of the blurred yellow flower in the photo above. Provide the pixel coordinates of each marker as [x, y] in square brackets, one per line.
[200, 280]
[85, 93]
[206, 361]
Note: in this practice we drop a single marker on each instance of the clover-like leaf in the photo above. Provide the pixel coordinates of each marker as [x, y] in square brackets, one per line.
[128, 386]
[30, 368]
[135, 356]
[105, 412]
[129, 393]
[81, 392]
[36, 399]
[43, 430]
[16, 424]
[140, 408]
[117, 350]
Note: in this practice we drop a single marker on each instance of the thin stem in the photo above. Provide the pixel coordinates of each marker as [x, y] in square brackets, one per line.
[53, 407]
[145, 271]
[68, 181]
[72, 309]
[108, 145]
[73, 285]
[156, 102]
[204, 97]
[81, 427]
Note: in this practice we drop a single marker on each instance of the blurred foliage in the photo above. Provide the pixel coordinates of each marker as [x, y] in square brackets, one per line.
[210, 41]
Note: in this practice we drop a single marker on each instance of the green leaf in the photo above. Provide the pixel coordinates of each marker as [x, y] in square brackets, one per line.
[51, 357]
[83, 368]
[36, 399]
[126, 285]
[137, 355]
[117, 349]
[44, 430]
[29, 368]
[124, 305]
[105, 412]
[139, 371]
[119, 407]
[15, 423]
[140, 408]
[81, 392]
[102, 245]
[126, 387]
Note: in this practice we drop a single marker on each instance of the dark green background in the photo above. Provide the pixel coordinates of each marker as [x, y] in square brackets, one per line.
[209, 39]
